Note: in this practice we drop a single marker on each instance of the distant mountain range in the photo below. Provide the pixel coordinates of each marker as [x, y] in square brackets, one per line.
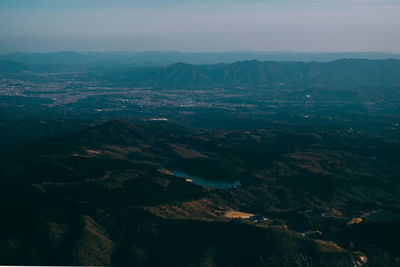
[109, 60]
[346, 73]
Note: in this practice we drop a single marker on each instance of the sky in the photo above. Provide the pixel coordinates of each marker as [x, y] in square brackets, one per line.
[198, 26]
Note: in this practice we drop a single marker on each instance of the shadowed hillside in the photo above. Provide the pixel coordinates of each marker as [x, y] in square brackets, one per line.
[111, 198]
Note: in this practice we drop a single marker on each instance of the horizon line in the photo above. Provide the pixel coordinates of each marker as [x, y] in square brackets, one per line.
[203, 52]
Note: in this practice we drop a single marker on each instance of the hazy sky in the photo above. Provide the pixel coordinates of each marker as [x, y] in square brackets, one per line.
[194, 25]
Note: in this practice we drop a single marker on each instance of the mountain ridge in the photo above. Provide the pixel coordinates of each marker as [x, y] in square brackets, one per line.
[265, 74]
[155, 58]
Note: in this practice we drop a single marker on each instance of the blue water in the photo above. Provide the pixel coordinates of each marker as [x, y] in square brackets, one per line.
[204, 182]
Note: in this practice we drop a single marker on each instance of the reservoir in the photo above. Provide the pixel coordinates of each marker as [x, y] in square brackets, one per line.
[205, 182]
